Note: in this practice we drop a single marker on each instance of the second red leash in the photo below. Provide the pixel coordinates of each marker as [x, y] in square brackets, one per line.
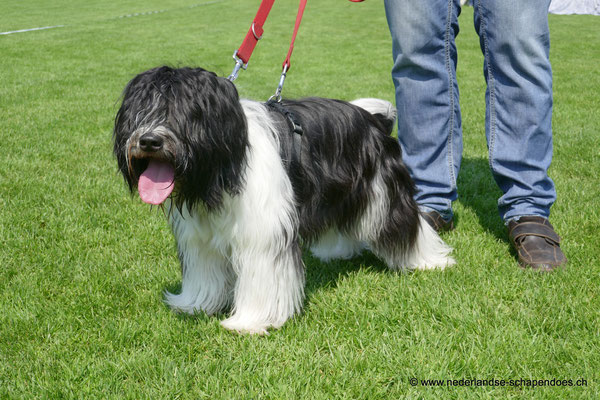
[287, 62]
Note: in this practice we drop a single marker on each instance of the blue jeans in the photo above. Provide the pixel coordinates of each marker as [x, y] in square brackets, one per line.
[514, 39]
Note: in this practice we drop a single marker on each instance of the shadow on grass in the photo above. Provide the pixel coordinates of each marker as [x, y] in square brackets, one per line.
[318, 275]
[478, 191]
[326, 274]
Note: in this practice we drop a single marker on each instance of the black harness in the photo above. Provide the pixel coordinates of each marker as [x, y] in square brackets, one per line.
[295, 128]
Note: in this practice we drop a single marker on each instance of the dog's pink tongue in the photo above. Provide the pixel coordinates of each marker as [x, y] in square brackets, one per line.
[156, 182]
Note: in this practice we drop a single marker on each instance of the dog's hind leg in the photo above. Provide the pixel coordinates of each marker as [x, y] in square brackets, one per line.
[335, 245]
[384, 228]
[428, 252]
[207, 276]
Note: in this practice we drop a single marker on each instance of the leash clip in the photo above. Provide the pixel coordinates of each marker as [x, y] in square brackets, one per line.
[239, 64]
[277, 95]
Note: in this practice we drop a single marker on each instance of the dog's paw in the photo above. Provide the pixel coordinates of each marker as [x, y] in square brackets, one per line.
[179, 303]
[438, 264]
[188, 304]
[245, 327]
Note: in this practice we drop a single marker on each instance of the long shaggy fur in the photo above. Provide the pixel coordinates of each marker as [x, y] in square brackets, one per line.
[245, 196]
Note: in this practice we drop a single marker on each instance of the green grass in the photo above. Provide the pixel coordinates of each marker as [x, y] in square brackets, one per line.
[83, 265]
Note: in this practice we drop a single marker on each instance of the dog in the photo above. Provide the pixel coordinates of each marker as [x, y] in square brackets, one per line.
[246, 184]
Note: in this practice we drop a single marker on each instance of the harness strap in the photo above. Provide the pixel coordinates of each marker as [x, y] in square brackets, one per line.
[294, 125]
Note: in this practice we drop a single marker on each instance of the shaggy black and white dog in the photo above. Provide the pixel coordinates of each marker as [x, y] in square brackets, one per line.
[246, 183]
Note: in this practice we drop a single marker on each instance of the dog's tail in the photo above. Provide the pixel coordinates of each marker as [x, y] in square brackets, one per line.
[383, 110]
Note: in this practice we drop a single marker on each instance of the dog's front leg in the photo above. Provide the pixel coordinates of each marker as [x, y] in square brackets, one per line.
[206, 282]
[269, 289]
[207, 276]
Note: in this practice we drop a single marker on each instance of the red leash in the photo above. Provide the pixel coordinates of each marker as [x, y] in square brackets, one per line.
[301, 8]
[287, 62]
[243, 54]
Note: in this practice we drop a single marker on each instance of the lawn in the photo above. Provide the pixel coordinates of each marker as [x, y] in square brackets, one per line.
[84, 264]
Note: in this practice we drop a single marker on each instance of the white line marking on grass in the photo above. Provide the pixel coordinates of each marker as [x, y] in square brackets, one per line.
[119, 17]
[143, 13]
[205, 4]
[169, 9]
[32, 29]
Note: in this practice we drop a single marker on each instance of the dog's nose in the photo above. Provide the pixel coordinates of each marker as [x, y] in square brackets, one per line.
[151, 142]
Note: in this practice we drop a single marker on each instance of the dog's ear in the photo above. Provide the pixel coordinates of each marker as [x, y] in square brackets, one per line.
[386, 122]
[216, 131]
[133, 103]
[222, 116]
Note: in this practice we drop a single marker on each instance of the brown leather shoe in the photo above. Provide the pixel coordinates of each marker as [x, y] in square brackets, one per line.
[437, 222]
[537, 245]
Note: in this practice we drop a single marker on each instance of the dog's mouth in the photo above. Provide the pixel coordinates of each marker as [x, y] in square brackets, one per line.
[156, 180]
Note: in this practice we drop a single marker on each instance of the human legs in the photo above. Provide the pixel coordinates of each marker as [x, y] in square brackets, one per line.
[424, 75]
[514, 38]
[515, 41]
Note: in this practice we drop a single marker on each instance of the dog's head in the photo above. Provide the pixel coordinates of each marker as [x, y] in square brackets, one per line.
[181, 131]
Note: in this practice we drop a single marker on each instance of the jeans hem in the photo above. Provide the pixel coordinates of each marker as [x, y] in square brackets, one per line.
[447, 214]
